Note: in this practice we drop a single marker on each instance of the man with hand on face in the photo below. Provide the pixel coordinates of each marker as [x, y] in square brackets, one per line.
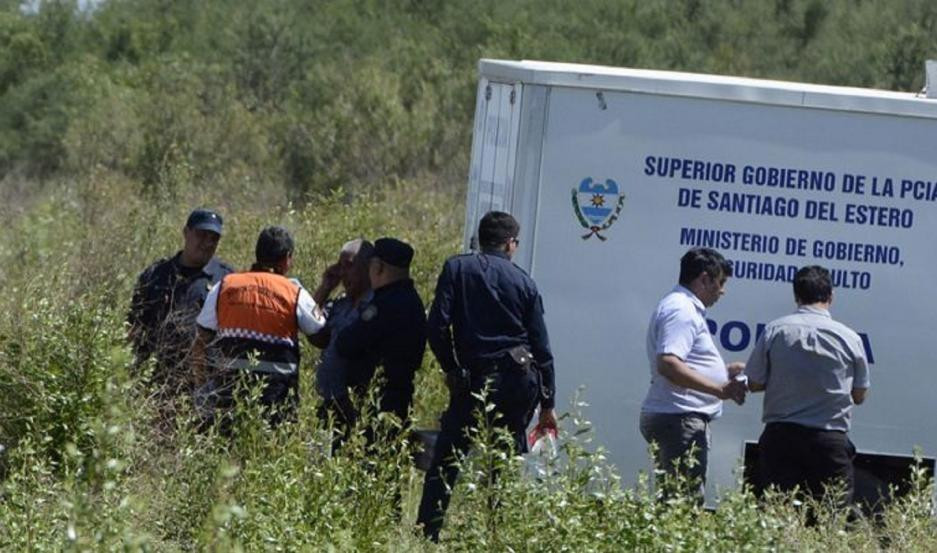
[333, 370]
[689, 379]
[168, 297]
[390, 332]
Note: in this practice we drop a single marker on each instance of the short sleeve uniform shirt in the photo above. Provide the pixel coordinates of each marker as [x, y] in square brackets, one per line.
[678, 327]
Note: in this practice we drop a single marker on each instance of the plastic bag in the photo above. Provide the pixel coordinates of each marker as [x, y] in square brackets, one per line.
[542, 441]
[542, 459]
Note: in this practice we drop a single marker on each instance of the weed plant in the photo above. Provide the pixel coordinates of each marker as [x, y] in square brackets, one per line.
[87, 469]
[315, 96]
[338, 120]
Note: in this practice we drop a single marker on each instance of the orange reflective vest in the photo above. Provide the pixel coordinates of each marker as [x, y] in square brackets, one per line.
[257, 325]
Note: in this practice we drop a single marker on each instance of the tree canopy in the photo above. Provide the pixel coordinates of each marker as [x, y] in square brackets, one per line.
[311, 96]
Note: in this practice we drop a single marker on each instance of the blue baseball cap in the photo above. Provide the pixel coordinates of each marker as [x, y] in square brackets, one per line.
[205, 219]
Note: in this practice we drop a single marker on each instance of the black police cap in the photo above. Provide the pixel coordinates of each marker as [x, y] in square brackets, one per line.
[393, 252]
[205, 219]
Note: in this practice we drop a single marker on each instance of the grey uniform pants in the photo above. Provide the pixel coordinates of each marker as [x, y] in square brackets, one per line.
[675, 435]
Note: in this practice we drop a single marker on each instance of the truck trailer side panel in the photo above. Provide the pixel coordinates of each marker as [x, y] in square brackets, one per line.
[618, 172]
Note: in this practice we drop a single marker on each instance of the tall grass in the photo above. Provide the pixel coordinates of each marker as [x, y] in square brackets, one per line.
[336, 119]
[88, 469]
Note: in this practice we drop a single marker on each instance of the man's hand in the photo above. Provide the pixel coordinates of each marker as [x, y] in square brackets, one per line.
[331, 278]
[858, 395]
[735, 368]
[734, 390]
[457, 380]
[547, 419]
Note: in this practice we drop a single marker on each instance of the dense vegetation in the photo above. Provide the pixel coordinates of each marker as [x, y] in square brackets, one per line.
[337, 119]
[351, 93]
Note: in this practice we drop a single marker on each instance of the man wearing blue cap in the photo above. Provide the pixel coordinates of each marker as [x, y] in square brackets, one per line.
[169, 295]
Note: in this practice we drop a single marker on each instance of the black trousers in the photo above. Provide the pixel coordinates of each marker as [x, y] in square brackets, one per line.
[514, 394]
[796, 455]
[279, 394]
[343, 415]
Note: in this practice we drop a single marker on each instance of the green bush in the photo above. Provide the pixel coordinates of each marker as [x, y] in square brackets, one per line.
[315, 97]
[338, 120]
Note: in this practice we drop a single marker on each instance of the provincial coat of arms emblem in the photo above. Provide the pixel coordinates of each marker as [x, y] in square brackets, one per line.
[597, 205]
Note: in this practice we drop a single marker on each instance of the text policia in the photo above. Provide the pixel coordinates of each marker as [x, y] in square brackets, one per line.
[736, 336]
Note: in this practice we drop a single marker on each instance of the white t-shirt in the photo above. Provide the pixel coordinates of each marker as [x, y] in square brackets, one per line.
[308, 314]
[678, 327]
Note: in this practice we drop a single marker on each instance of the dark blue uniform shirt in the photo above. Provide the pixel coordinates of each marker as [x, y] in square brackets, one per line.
[390, 332]
[167, 299]
[484, 306]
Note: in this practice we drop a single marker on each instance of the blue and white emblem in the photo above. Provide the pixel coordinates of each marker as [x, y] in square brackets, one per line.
[597, 205]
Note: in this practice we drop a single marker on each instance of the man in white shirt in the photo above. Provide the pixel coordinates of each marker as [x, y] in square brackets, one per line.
[253, 321]
[689, 379]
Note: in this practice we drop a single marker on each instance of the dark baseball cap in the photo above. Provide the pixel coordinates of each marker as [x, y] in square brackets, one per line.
[205, 219]
[393, 252]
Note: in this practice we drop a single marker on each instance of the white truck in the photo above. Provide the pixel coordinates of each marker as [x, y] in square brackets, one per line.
[614, 173]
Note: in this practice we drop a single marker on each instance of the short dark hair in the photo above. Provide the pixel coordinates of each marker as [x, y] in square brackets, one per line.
[812, 284]
[496, 228]
[703, 260]
[273, 244]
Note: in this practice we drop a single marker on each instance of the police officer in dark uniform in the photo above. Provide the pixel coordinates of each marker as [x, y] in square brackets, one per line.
[168, 297]
[486, 325]
[390, 331]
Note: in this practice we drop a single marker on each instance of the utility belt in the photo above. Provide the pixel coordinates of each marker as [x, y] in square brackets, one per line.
[282, 368]
[517, 359]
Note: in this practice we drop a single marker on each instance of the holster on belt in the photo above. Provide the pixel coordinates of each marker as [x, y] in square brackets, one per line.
[522, 356]
[518, 358]
[525, 360]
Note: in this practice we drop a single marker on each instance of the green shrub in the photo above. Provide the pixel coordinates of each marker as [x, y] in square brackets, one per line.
[339, 120]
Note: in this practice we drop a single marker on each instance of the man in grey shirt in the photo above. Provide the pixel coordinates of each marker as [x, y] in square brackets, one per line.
[812, 370]
[335, 373]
